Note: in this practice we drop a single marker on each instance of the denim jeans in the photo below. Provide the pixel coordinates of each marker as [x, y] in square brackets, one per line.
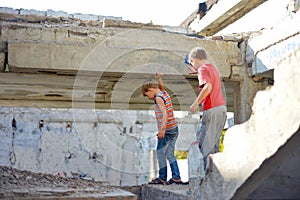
[165, 150]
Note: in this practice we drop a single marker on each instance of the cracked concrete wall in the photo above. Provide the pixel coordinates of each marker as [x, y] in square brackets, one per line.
[102, 145]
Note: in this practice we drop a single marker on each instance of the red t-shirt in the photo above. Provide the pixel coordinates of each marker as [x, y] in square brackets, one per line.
[208, 74]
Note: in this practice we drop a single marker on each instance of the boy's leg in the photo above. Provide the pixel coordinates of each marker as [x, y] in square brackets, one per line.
[170, 148]
[213, 121]
[201, 136]
[161, 157]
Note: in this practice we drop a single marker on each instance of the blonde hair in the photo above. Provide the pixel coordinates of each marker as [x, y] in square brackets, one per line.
[198, 53]
[148, 84]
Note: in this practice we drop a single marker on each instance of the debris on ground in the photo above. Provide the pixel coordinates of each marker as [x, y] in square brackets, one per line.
[18, 184]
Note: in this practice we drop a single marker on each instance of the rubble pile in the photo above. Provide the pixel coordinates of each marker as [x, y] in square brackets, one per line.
[17, 184]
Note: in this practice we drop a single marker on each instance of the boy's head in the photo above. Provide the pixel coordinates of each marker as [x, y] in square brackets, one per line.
[198, 53]
[149, 89]
[195, 58]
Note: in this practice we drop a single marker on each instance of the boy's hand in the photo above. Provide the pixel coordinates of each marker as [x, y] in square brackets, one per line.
[158, 75]
[193, 108]
[161, 134]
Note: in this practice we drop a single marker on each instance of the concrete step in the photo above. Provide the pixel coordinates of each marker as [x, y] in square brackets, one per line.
[161, 192]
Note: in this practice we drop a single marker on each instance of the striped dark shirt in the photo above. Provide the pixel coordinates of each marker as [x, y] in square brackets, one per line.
[171, 123]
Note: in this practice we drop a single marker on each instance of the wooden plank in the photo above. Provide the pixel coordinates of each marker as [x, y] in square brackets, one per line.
[224, 13]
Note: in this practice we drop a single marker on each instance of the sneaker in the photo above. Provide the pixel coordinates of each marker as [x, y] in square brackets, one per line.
[176, 181]
[158, 181]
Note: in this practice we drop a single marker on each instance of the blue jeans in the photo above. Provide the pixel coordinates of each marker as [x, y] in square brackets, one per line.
[165, 150]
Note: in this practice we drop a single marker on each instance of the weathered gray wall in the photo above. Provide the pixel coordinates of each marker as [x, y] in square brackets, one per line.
[107, 145]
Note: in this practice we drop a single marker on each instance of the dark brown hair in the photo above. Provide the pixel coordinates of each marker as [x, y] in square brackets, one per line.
[148, 84]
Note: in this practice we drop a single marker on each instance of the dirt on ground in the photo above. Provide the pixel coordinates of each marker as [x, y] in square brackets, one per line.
[17, 184]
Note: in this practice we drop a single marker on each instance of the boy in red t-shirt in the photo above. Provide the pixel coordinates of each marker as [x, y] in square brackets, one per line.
[212, 100]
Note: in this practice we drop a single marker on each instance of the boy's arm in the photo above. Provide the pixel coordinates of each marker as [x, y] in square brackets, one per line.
[204, 92]
[161, 104]
[158, 76]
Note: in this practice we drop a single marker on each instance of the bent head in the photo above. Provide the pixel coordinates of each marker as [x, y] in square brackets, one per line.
[149, 89]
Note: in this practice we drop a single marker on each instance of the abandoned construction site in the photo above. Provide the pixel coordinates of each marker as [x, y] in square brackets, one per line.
[75, 125]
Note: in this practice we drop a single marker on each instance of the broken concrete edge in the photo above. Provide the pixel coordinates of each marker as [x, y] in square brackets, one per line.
[128, 24]
[51, 17]
[52, 13]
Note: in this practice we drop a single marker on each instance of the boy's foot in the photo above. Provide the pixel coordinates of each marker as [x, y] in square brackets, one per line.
[177, 181]
[158, 181]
